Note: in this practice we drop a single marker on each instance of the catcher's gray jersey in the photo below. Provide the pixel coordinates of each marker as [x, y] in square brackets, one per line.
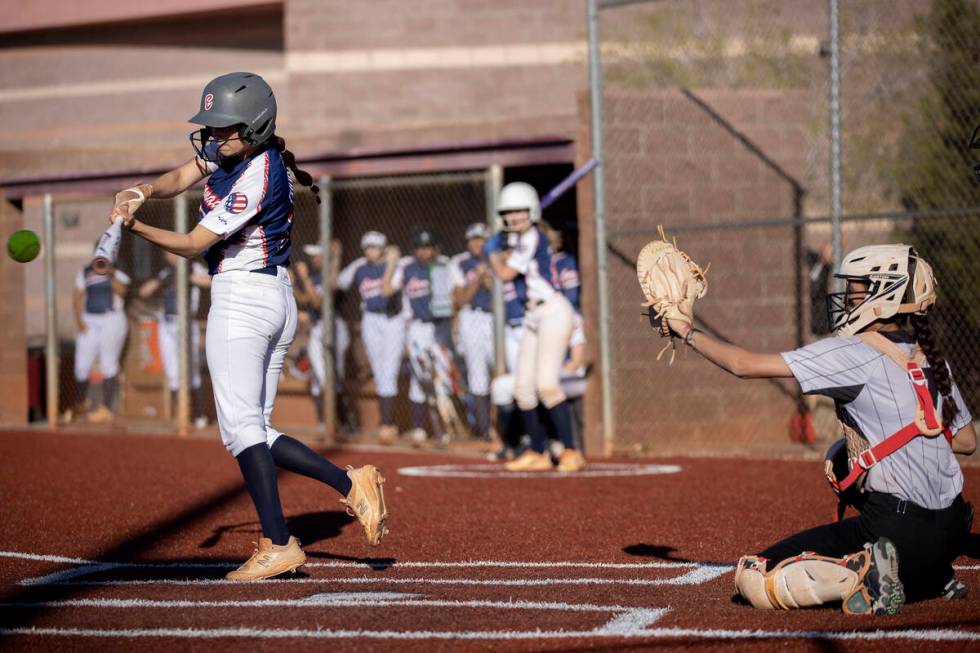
[874, 396]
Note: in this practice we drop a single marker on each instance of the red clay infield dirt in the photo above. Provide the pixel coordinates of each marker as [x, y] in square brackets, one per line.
[121, 543]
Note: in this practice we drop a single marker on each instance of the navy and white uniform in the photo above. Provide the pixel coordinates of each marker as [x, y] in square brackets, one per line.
[168, 329]
[248, 202]
[515, 299]
[565, 276]
[105, 324]
[382, 326]
[412, 278]
[911, 497]
[475, 321]
[341, 339]
[548, 325]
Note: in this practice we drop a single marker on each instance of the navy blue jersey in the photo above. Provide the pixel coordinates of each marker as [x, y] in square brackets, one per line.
[99, 297]
[515, 297]
[532, 258]
[368, 279]
[564, 274]
[412, 278]
[463, 273]
[249, 203]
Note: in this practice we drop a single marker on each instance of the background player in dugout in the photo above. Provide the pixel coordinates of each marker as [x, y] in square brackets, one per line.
[100, 318]
[165, 281]
[244, 225]
[382, 323]
[912, 518]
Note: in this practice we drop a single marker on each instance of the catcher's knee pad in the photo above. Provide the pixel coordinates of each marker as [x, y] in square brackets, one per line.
[502, 390]
[551, 396]
[803, 581]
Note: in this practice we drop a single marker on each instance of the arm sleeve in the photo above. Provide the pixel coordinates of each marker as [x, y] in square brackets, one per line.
[80, 280]
[122, 277]
[578, 331]
[242, 202]
[521, 256]
[346, 276]
[398, 277]
[836, 367]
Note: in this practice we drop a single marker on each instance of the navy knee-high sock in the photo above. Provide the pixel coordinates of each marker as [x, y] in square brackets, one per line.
[110, 389]
[420, 416]
[294, 456]
[481, 411]
[387, 410]
[533, 425]
[561, 418]
[259, 471]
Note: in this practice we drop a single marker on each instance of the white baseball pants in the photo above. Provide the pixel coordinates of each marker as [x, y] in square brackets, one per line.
[251, 324]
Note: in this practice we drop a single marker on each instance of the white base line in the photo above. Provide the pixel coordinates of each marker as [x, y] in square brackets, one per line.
[933, 635]
[686, 579]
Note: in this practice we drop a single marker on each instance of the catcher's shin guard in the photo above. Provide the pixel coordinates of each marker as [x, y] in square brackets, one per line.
[800, 582]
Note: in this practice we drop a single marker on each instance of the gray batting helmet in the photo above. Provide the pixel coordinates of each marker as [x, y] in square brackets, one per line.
[237, 98]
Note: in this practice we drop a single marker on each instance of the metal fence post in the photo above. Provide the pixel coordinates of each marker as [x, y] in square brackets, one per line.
[605, 349]
[328, 393]
[494, 180]
[52, 362]
[835, 163]
[183, 324]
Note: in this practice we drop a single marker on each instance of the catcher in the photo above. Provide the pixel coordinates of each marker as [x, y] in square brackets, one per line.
[904, 417]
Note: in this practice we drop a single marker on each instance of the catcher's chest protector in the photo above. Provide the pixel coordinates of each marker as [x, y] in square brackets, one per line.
[926, 422]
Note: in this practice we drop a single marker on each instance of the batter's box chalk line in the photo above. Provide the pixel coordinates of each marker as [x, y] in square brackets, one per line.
[628, 622]
[592, 470]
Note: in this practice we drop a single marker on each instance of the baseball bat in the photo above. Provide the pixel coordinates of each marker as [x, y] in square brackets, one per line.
[567, 183]
[108, 248]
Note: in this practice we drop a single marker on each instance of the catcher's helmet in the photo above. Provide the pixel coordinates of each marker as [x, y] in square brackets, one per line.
[235, 99]
[898, 281]
[519, 196]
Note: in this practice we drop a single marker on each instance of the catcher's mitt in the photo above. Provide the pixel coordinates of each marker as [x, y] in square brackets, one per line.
[671, 282]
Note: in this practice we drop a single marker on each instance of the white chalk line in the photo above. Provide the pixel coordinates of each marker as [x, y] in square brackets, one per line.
[593, 470]
[933, 635]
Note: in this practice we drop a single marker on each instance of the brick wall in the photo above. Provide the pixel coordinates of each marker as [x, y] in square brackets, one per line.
[682, 161]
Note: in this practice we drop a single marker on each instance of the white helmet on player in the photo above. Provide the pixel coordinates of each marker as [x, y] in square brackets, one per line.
[518, 196]
[897, 280]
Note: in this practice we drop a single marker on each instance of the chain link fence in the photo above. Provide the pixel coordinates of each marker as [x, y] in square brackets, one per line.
[717, 125]
[117, 334]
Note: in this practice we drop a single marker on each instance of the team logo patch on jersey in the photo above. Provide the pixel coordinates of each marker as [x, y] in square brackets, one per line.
[236, 203]
[208, 101]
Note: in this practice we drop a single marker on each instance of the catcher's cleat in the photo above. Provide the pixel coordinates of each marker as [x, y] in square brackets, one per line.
[881, 592]
[270, 560]
[571, 460]
[530, 461]
[366, 501]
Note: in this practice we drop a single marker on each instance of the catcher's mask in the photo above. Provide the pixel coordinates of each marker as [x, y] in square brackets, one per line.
[243, 99]
[882, 281]
[515, 199]
[975, 145]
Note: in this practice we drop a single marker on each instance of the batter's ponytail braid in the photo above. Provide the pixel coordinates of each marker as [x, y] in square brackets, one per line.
[922, 331]
[302, 176]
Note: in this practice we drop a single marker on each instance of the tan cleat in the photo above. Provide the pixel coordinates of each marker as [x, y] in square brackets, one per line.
[101, 415]
[366, 501]
[388, 434]
[270, 560]
[530, 461]
[571, 460]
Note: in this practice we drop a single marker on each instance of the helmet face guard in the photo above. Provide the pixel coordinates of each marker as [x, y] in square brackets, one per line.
[207, 146]
[846, 307]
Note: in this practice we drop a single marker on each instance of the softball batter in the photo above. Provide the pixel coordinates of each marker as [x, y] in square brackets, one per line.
[472, 283]
[904, 419]
[244, 228]
[548, 326]
[167, 331]
[382, 325]
[102, 327]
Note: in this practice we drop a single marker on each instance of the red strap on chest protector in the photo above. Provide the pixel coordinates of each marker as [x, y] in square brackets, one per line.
[871, 457]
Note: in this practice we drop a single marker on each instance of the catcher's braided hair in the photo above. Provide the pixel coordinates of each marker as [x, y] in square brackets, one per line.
[302, 176]
[922, 332]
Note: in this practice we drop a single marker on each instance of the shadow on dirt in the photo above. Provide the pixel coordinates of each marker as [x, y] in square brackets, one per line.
[309, 528]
